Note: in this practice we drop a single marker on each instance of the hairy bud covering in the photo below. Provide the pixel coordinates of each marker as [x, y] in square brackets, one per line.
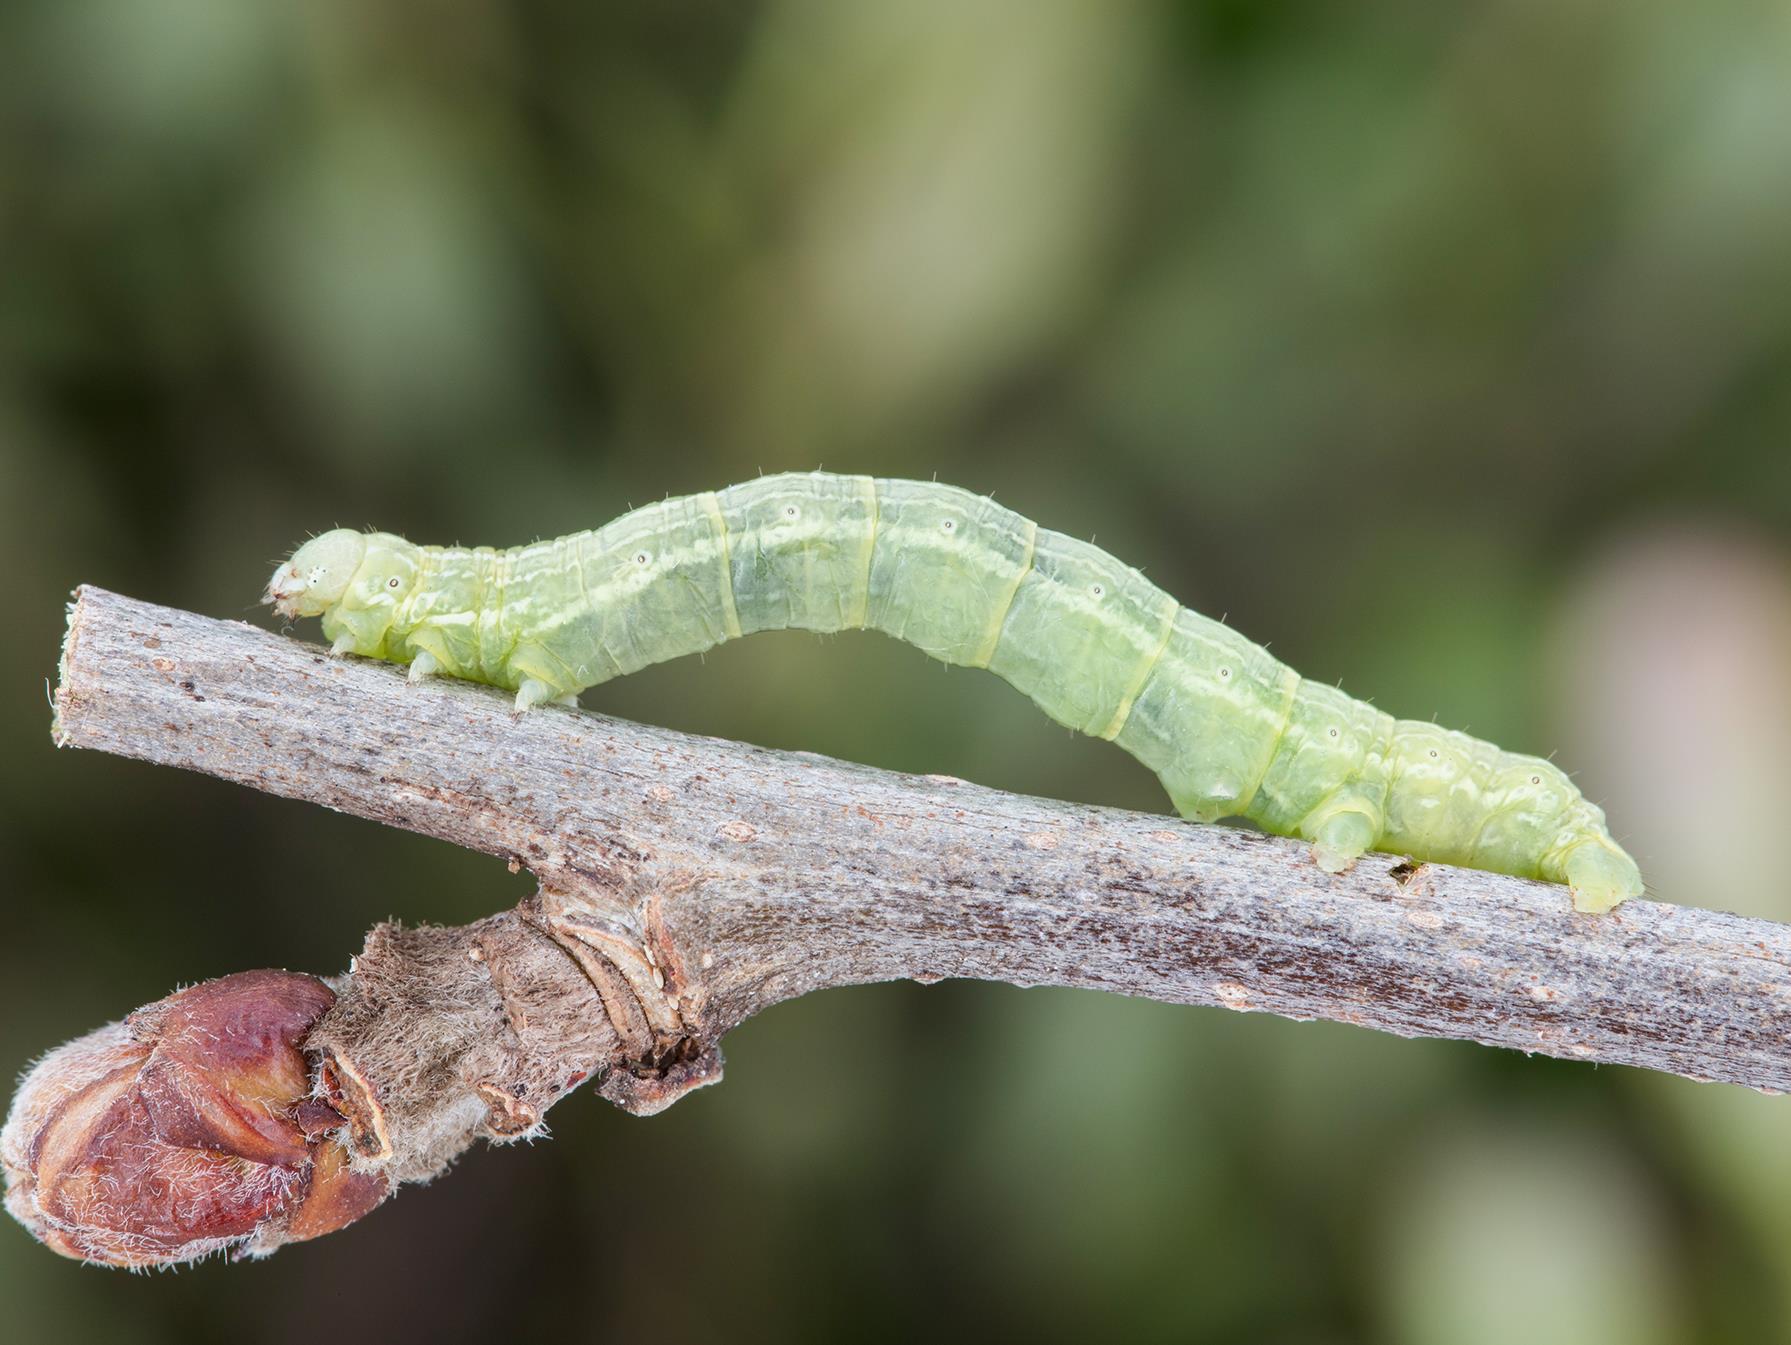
[189, 1127]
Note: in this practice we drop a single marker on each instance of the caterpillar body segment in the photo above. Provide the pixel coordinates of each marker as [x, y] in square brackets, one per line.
[1228, 729]
[930, 584]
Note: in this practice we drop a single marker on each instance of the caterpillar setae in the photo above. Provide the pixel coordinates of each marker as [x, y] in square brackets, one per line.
[1228, 729]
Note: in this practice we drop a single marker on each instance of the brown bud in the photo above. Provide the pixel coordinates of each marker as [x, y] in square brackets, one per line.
[187, 1128]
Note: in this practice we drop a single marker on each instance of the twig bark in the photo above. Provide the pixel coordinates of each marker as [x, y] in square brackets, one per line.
[687, 883]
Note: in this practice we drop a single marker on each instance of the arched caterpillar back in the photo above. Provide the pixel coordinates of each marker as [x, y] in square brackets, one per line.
[1228, 729]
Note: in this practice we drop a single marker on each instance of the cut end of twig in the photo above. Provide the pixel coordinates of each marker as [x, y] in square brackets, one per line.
[188, 1128]
[69, 638]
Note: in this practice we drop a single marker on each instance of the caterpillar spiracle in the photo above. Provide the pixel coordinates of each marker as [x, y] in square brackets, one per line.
[1228, 729]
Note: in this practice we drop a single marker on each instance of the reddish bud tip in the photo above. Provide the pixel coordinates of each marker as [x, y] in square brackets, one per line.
[187, 1128]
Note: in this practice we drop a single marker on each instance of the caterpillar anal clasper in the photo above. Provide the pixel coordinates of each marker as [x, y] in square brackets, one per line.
[1228, 729]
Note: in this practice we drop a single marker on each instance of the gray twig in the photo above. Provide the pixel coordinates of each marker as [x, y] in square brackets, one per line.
[686, 883]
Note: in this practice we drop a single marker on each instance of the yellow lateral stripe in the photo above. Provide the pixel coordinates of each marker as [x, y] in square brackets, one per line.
[730, 619]
[987, 652]
[576, 548]
[857, 619]
[1123, 711]
[1291, 680]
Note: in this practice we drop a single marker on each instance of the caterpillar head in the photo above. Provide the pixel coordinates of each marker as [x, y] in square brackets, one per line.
[355, 581]
[318, 575]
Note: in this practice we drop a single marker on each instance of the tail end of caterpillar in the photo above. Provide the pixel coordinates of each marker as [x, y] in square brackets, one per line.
[1601, 877]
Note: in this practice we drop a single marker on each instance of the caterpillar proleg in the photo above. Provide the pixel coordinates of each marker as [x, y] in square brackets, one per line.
[1228, 729]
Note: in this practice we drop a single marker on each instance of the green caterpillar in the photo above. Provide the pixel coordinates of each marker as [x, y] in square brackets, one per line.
[1229, 730]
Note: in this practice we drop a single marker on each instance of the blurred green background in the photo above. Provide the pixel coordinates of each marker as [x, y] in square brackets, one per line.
[1447, 346]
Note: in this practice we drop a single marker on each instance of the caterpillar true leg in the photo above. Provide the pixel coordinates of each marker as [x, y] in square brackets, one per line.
[1227, 728]
[532, 693]
[540, 678]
